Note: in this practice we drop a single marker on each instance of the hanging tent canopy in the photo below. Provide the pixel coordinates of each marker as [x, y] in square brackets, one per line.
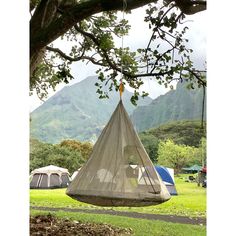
[111, 176]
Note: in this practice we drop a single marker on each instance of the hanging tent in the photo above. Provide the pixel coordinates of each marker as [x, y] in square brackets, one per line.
[49, 177]
[111, 176]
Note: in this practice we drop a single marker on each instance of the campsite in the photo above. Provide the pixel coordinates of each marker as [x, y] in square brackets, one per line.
[190, 202]
[183, 214]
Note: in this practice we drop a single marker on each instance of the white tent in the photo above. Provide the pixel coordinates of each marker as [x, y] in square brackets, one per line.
[49, 177]
[111, 175]
[74, 174]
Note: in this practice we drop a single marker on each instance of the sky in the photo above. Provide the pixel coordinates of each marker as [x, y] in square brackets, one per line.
[138, 37]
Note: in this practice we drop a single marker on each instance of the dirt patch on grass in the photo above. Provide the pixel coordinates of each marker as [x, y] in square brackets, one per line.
[49, 225]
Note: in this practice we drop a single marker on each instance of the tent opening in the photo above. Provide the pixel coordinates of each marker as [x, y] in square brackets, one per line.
[54, 180]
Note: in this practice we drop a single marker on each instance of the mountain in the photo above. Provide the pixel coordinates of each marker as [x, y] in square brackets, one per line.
[76, 112]
[179, 104]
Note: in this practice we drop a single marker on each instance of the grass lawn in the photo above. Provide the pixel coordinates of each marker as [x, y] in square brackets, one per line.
[140, 227]
[191, 201]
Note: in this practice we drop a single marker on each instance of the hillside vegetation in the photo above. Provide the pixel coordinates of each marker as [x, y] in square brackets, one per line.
[76, 112]
[179, 104]
[71, 154]
[188, 133]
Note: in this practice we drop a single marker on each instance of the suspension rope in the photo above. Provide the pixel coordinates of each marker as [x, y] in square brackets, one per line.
[121, 86]
[203, 106]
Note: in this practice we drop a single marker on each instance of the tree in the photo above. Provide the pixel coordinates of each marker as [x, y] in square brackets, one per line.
[39, 153]
[65, 157]
[175, 156]
[43, 154]
[92, 26]
[150, 143]
[85, 148]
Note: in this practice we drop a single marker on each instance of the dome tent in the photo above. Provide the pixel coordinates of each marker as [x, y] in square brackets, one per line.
[167, 175]
[111, 175]
[49, 177]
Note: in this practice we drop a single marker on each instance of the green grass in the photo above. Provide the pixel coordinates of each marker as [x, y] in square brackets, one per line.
[140, 227]
[191, 201]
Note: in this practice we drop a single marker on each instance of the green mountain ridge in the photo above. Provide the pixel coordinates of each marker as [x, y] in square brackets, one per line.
[178, 104]
[75, 112]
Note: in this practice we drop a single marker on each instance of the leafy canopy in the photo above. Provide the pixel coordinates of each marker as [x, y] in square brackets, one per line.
[89, 29]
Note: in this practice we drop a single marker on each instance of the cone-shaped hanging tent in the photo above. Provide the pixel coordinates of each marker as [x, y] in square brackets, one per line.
[119, 171]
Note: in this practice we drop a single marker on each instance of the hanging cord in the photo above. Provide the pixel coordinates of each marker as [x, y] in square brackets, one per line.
[203, 106]
[121, 87]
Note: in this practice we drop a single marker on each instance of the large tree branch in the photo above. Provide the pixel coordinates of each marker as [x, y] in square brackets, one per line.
[62, 54]
[126, 73]
[190, 7]
[109, 62]
[82, 57]
[202, 82]
[113, 65]
[83, 9]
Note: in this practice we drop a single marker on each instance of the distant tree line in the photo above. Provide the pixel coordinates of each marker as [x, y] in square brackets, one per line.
[177, 144]
[174, 145]
[68, 154]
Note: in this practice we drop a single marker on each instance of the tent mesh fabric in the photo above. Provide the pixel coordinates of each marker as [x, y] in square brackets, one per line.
[119, 171]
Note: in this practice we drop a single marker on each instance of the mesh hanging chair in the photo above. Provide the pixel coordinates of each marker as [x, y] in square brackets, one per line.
[119, 171]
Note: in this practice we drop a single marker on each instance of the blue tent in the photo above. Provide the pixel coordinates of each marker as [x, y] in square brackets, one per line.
[167, 178]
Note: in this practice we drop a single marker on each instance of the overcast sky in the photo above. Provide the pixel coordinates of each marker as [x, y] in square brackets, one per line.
[138, 37]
